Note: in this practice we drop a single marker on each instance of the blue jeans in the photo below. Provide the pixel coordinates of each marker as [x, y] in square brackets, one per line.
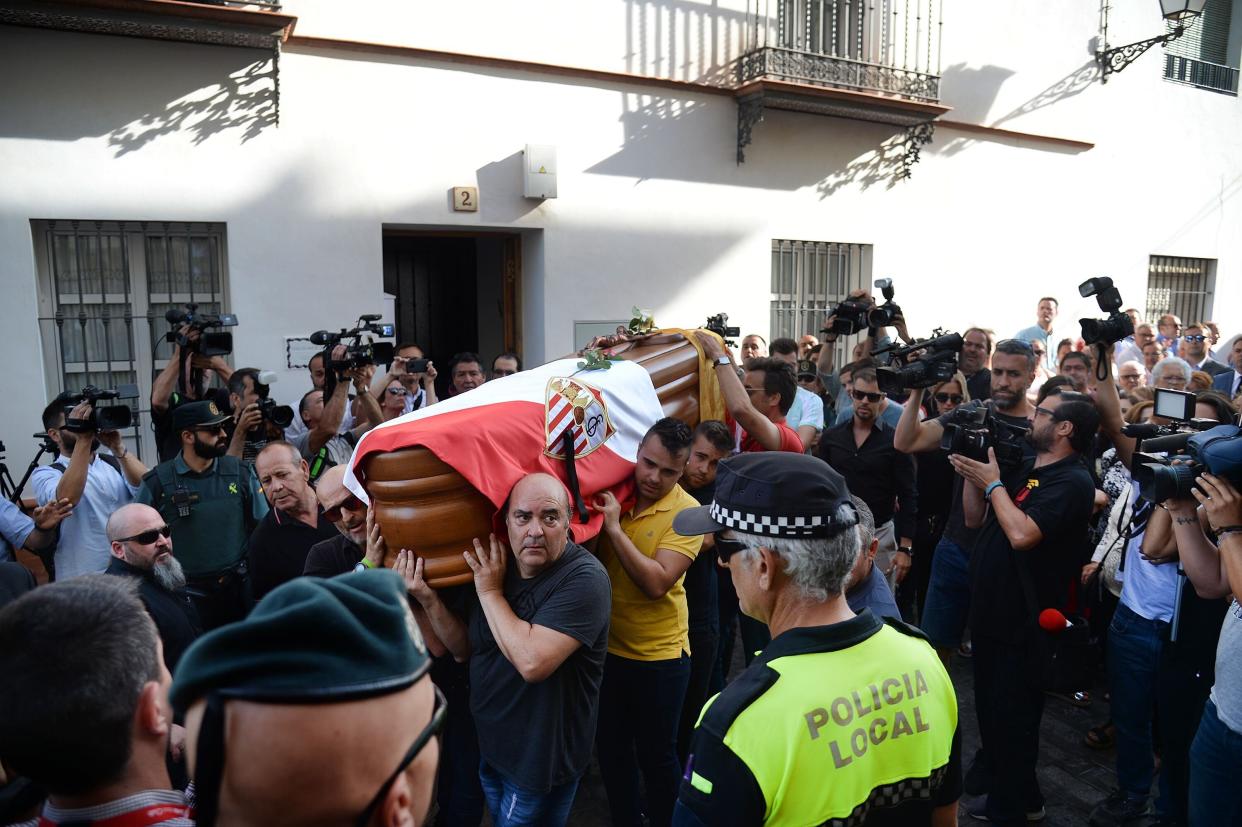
[1215, 796]
[946, 607]
[1134, 647]
[514, 806]
[636, 737]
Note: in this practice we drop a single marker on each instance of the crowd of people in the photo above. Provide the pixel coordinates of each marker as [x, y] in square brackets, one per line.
[226, 637]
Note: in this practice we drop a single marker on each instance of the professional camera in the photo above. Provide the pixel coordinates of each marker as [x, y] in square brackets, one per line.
[209, 344]
[719, 324]
[279, 415]
[920, 364]
[1171, 456]
[1104, 331]
[972, 428]
[359, 352]
[853, 315]
[110, 418]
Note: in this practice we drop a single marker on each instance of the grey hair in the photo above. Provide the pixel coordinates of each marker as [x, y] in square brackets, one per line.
[818, 566]
[1170, 362]
[866, 521]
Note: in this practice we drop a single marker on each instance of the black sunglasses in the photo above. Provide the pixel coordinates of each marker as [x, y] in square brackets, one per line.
[870, 397]
[146, 538]
[352, 503]
[726, 547]
[955, 398]
[1195, 338]
[430, 731]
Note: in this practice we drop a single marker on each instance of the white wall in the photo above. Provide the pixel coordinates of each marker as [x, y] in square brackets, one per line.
[652, 210]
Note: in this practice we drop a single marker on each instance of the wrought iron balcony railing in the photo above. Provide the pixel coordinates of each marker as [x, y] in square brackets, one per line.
[1200, 73]
[839, 72]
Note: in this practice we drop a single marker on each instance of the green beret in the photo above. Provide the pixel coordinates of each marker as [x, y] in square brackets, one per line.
[310, 640]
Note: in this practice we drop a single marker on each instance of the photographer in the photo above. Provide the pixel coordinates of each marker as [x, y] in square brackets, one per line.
[948, 590]
[1022, 560]
[184, 378]
[321, 445]
[94, 485]
[1215, 570]
[836, 386]
[251, 430]
[420, 387]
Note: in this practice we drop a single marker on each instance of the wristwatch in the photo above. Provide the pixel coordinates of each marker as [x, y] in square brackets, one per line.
[723, 360]
[360, 566]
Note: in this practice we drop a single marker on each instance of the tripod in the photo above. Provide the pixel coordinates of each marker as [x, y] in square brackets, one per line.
[12, 492]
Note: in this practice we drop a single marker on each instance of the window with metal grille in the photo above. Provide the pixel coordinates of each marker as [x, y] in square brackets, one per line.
[1200, 57]
[1181, 286]
[808, 279]
[103, 289]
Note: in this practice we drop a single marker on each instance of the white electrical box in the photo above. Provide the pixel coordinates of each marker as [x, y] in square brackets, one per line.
[539, 180]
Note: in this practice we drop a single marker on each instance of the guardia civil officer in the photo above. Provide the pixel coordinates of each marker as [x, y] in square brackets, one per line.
[843, 718]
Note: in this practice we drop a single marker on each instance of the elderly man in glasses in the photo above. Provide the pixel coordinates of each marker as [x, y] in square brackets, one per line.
[212, 502]
[142, 549]
[862, 451]
[348, 550]
[316, 709]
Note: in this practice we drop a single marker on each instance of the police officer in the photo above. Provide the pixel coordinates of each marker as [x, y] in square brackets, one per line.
[843, 718]
[212, 503]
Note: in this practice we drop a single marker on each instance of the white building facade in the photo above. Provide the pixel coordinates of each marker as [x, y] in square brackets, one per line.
[144, 165]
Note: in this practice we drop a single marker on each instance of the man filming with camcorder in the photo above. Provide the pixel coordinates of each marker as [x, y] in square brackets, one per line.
[95, 485]
[198, 354]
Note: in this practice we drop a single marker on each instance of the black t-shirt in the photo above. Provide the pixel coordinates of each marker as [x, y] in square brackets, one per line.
[1058, 498]
[979, 386]
[174, 614]
[279, 546]
[539, 735]
[955, 528]
[328, 558]
[700, 580]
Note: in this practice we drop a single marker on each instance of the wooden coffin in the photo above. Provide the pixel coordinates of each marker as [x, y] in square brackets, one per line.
[422, 504]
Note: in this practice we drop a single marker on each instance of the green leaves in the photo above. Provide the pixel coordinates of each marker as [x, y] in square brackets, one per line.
[642, 321]
[596, 360]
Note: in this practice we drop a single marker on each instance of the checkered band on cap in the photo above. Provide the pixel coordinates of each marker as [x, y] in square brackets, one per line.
[804, 526]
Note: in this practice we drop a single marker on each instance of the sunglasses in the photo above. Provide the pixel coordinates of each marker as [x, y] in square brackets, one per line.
[726, 547]
[870, 397]
[1195, 338]
[146, 538]
[955, 398]
[397, 392]
[352, 503]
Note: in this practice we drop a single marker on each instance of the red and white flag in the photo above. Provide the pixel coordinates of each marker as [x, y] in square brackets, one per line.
[508, 428]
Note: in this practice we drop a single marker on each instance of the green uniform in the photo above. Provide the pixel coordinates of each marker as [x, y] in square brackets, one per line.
[849, 724]
[225, 504]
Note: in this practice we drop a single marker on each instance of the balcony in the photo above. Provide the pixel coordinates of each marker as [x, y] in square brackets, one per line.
[1200, 73]
[257, 24]
[866, 60]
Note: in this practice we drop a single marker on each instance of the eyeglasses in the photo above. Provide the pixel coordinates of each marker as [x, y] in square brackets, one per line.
[870, 397]
[955, 398]
[726, 547]
[430, 731]
[146, 538]
[1195, 338]
[1046, 412]
[351, 503]
[1038, 351]
[397, 392]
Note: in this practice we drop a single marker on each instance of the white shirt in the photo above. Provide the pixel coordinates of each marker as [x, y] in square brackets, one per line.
[414, 401]
[83, 547]
[1147, 589]
[807, 409]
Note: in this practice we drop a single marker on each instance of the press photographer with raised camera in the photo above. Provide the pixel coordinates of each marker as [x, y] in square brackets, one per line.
[257, 419]
[95, 485]
[321, 444]
[416, 375]
[857, 313]
[197, 356]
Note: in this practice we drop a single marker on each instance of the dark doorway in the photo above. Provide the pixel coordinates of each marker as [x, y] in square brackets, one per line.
[453, 293]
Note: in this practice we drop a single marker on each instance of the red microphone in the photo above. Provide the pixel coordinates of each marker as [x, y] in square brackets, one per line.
[1051, 620]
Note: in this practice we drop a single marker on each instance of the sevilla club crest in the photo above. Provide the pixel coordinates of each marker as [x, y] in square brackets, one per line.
[576, 406]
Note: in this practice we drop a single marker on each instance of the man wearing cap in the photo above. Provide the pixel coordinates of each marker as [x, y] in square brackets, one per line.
[278, 548]
[288, 724]
[806, 415]
[843, 717]
[212, 502]
[758, 405]
[85, 705]
[535, 638]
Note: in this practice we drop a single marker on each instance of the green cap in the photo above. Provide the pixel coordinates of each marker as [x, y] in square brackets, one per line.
[189, 415]
[310, 640]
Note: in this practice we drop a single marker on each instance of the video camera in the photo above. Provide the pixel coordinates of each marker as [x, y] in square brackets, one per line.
[1107, 331]
[920, 364]
[853, 315]
[719, 324]
[208, 344]
[110, 418]
[972, 428]
[358, 352]
[1171, 456]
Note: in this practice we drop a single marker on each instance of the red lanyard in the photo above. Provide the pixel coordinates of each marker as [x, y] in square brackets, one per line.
[147, 816]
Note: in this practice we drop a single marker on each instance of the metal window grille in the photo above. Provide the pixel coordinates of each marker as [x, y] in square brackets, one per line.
[103, 290]
[808, 279]
[1181, 286]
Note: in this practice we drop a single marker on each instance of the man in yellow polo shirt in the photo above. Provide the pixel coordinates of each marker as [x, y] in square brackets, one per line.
[648, 664]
